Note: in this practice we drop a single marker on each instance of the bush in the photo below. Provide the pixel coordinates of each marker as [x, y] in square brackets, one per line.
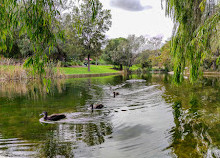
[71, 63]
[103, 62]
[94, 62]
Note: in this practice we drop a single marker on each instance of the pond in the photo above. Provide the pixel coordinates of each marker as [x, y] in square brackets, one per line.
[150, 117]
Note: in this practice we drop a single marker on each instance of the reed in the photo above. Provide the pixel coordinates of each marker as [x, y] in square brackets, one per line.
[18, 72]
[54, 71]
[33, 89]
[8, 72]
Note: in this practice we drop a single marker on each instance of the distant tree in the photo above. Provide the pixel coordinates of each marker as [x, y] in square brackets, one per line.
[135, 45]
[154, 43]
[143, 59]
[122, 52]
[91, 31]
[152, 51]
[212, 59]
[73, 45]
[165, 58]
[112, 52]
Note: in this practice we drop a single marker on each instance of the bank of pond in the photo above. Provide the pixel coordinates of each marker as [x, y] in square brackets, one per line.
[149, 117]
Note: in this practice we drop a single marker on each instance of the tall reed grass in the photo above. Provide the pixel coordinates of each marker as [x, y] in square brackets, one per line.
[13, 70]
[32, 89]
[12, 73]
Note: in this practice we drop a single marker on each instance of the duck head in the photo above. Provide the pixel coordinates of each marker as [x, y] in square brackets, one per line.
[44, 113]
[91, 106]
[115, 93]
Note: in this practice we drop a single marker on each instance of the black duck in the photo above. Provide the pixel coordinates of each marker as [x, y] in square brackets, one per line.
[96, 106]
[54, 117]
[115, 94]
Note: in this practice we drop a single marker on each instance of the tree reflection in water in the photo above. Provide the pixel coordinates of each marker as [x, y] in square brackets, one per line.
[195, 121]
[66, 138]
[196, 116]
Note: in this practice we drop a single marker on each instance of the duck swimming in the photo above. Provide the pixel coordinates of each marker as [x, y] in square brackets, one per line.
[115, 93]
[54, 117]
[96, 106]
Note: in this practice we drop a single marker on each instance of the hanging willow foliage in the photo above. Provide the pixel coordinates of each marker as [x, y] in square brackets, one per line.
[37, 19]
[195, 22]
[34, 18]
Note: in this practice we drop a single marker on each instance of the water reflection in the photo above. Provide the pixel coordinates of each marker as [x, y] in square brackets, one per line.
[67, 138]
[190, 136]
[30, 89]
[196, 118]
[150, 118]
[130, 132]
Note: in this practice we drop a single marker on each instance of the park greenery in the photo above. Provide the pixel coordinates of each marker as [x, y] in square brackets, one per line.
[196, 35]
[44, 33]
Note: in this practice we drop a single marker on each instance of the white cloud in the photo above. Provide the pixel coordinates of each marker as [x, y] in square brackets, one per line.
[150, 22]
[130, 5]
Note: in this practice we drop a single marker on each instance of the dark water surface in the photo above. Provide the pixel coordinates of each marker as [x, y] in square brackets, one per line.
[150, 118]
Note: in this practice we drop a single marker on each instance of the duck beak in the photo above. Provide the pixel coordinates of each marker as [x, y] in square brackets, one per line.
[41, 114]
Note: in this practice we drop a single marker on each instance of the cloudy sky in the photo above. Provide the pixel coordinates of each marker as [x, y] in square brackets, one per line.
[139, 17]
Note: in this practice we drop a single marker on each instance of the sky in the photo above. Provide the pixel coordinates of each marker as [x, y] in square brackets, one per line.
[139, 17]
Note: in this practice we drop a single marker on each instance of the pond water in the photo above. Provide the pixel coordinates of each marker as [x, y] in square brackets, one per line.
[150, 117]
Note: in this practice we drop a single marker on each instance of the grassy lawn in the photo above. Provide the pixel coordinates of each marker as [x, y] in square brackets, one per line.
[76, 70]
[100, 69]
[134, 67]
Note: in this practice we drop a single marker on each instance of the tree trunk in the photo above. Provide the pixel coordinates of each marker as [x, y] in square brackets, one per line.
[96, 62]
[121, 67]
[89, 62]
[214, 65]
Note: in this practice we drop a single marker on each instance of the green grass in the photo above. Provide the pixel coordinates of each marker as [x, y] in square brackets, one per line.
[134, 67]
[99, 69]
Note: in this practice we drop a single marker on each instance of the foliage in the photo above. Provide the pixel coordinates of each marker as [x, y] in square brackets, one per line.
[72, 46]
[39, 22]
[123, 52]
[154, 55]
[12, 73]
[154, 43]
[196, 22]
[72, 63]
[134, 46]
[134, 68]
[143, 59]
[111, 52]
[17, 72]
[91, 31]
[33, 18]
[165, 59]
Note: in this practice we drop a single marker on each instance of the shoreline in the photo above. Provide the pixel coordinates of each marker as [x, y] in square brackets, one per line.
[205, 73]
[18, 73]
[91, 75]
[67, 76]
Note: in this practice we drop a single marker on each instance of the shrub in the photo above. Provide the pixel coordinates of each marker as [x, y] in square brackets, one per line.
[71, 63]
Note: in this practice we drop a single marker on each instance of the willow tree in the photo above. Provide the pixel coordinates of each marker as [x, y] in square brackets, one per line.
[33, 18]
[196, 22]
[38, 20]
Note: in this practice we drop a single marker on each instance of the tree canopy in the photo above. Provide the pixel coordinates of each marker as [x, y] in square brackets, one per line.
[91, 31]
[37, 27]
[123, 51]
[36, 19]
[39, 21]
[195, 22]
